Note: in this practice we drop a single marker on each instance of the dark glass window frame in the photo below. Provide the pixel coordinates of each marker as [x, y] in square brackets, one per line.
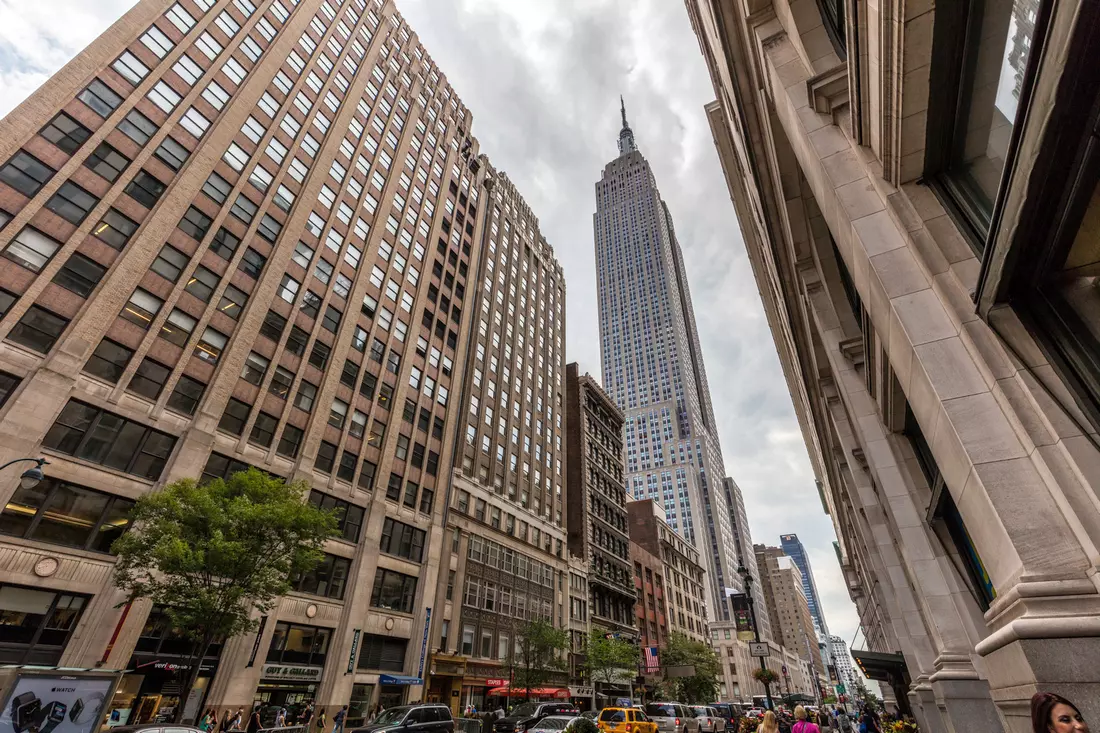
[26, 646]
[74, 439]
[46, 493]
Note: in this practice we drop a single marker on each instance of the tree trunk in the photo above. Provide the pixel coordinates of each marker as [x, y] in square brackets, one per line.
[198, 653]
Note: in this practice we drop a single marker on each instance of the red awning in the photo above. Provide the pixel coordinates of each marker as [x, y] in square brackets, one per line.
[505, 691]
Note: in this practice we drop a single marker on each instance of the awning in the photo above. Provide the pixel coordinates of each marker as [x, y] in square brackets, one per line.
[880, 666]
[397, 679]
[505, 691]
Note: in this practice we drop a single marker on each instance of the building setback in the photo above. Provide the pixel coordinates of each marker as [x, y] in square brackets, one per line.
[247, 233]
[919, 217]
[653, 367]
[596, 501]
[792, 624]
[505, 521]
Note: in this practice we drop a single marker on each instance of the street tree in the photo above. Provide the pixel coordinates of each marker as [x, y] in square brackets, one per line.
[606, 657]
[538, 653]
[216, 554]
[702, 686]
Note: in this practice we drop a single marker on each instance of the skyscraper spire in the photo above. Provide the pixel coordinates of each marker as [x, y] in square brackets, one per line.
[626, 135]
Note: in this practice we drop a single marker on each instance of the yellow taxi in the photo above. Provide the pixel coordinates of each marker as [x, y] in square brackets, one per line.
[625, 720]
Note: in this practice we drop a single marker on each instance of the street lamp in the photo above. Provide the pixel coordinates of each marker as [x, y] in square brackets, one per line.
[746, 578]
[32, 476]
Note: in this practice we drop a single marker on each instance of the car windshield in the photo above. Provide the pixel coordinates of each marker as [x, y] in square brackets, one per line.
[660, 711]
[525, 710]
[700, 712]
[612, 716]
[391, 716]
[553, 723]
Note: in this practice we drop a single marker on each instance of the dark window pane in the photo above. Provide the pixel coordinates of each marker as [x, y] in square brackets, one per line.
[252, 263]
[195, 223]
[25, 173]
[38, 329]
[107, 162]
[149, 378]
[172, 154]
[224, 243]
[290, 442]
[108, 361]
[80, 274]
[273, 326]
[115, 229]
[145, 189]
[185, 397]
[137, 127]
[235, 416]
[71, 202]
[100, 98]
[263, 430]
[66, 133]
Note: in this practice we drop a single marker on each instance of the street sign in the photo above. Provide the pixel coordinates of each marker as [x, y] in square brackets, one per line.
[840, 689]
[759, 649]
[684, 670]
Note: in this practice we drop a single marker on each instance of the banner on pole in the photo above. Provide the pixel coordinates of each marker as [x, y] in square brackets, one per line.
[742, 615]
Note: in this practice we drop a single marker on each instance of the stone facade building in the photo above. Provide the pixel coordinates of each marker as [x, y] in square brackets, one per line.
[260, 233]
[922, 235]
[792, 623]
[596, 501]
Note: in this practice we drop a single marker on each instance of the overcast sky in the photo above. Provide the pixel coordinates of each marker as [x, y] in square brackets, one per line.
[543, 79]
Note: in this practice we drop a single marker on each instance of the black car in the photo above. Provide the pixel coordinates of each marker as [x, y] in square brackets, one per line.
[412, 719]
[525, 716]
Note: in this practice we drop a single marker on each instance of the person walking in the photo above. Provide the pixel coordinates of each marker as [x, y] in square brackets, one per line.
[254, 723]
[843, 722]
[209, 719]
[768, 724]
[868, 721]
[224, 726]
[306, 716]
[238, 719]
[1052, 713]
[280, 718]
[338, 720]
[802, 724]
[322, 723]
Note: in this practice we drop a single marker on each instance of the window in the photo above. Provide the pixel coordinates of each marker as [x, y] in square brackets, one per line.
[71, 202]
[236, 157]
[366, 475]
[177, 327]
[298, 644]
[244, 209]
[377, 434]
[26, 174]
[108, 361]
[327, 579]
[149, 378]
[311, 302]
[66, 514]
[338, 414]
[393, 591]
[383, 653]
[155, 40]
[194, 122]
[185, 397]
[187, 70]
[281, 382]
[217, 188]
[202, 284]
[172, 154]
[224, 243]
[145, 189]
[349, 517]
[252, 263]
[66, 133]
[36, 624]
[195, 224]
[130, 68]
[255, 367]
[32, 249]
[137, 127]
[114, 229]
[233, 301]
[164, 97]
[170, 263]
[290, 442]
[235, 416]
[318, 356]
[104, 438]
[79, 274]
[38, 329]
[211, 345]
[100, 98]
[288, 289]
[982, 51]
[107, 162]
[307, 392]
[263, 430]
[296, 342]
[402, 540]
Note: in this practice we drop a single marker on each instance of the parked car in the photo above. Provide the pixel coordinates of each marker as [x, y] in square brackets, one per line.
[672, 717]
[709, 719]
[754, 713]
[625, 720]
[429, 718]
[524, 717]
[156, 728]
[469, 725]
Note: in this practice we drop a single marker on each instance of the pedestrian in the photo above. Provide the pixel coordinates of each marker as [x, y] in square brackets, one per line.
[843, 722]
[322, 723]
[1052, 713]
[868, 721]
[373, 714]
[238, 720]
[338, 720]
[768, 724]
[209, 719]
[802, 724]
[306, 716]
[280, 718]
[224, 727]
[254, 724]
[500, 711]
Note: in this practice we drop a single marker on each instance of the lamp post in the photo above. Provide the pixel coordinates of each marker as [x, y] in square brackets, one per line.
[32, 476]
[746, 577]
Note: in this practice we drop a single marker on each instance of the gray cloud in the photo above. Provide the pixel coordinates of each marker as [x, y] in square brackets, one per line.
[543, 80]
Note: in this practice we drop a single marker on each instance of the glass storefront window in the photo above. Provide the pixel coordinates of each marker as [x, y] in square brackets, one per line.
[299, 644]
[995, 44]
[66, 514]
[360, 704]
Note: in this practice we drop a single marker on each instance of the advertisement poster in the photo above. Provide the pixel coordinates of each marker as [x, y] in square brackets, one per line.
[55, 705]
[742, 615]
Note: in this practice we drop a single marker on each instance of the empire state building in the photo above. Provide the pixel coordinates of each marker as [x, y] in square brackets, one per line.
[653, 368]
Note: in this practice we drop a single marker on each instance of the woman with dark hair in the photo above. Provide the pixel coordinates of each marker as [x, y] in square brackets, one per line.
[1052, 713]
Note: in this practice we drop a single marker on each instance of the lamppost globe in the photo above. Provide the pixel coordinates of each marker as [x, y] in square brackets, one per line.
[31, 478]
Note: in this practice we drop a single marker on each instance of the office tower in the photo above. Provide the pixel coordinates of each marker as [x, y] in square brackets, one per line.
[792, 624]
[742, 542]
[239, 234]
[505, 551]
[842, 658]
[683, 573]
[792, 548]
[653, 366]
[596, 513]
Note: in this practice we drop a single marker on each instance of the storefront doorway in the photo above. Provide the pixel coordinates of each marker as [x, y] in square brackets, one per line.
[151, 691]
[286, 686]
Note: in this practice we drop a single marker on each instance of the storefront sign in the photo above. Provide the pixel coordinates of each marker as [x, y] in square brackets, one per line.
[145, 665]
[424, 641]
[256, 644]
[354, 649]
[292, 672]
[495, 683]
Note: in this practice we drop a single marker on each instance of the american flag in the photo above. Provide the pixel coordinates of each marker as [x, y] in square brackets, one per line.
[651, 661]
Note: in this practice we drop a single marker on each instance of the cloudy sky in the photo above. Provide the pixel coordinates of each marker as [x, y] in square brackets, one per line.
[543, 79]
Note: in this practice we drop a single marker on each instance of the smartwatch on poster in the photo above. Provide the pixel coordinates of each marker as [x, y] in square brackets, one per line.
[85, 708]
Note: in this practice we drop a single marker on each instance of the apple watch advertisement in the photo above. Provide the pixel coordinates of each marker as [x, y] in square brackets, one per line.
[55, 705]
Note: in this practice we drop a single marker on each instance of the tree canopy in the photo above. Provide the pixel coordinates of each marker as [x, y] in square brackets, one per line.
[213, 553]
[604, 657]
[539, 651]
[683, 651]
